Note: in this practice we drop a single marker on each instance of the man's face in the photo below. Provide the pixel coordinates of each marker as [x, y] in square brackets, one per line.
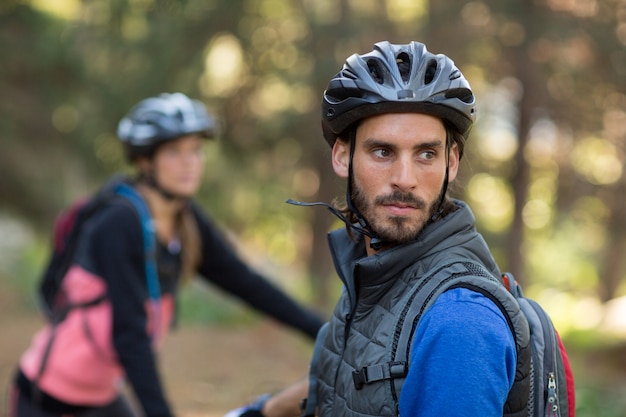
[399, 168]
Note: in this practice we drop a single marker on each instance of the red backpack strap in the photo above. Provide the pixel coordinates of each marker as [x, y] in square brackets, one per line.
[506, 280]
[569, 376]
[511, 284]
[64, 224]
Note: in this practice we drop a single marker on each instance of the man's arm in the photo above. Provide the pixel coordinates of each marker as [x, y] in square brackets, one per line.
[285, 403]
[463, 360]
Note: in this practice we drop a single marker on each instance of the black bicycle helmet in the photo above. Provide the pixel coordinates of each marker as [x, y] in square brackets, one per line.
[155, 120]
[396, 79]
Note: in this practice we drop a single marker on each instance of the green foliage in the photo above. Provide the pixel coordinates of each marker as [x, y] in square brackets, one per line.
[72, 69]
[22, 261]
[200, 304]
[600, 401]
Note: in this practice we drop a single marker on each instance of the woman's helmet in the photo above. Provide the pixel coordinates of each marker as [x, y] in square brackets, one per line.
[155, 120]
[397, 79]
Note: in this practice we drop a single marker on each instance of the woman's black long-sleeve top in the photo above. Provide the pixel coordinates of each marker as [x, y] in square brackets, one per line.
[113, 249]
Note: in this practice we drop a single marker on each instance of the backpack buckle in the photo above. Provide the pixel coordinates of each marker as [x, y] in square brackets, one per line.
[360, 378]
[379, 372]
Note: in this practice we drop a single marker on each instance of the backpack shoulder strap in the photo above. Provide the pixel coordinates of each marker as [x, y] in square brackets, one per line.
[454, 274]
[150, 251]
[149, 238]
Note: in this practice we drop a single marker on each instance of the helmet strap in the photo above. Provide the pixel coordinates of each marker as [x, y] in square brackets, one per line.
[149, 179]
[442, 197]
[375, 242]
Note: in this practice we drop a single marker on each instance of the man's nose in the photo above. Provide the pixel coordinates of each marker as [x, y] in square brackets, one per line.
[404, 175]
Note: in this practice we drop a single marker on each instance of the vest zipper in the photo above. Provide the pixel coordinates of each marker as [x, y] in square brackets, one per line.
[354, 301]
[348, 320]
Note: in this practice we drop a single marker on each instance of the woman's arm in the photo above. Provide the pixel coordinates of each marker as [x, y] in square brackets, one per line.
[221, 266]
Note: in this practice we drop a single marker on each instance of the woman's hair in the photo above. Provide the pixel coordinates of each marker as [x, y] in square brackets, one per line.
[189, 235]
[190, 242]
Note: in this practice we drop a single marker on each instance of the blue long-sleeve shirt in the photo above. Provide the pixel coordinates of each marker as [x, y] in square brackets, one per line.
[456, 362]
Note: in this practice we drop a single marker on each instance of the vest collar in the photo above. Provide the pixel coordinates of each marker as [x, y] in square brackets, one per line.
[455, 230]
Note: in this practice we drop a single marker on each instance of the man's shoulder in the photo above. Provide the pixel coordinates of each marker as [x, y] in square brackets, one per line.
[456, 284]
[466, 299]
[467, 314]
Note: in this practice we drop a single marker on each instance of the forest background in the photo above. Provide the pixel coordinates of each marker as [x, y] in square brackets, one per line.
[543, 172]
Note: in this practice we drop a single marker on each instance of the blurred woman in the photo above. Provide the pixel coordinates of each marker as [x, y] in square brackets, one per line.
[75, 368]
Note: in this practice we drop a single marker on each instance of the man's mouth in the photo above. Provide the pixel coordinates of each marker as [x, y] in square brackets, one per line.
[399, 209]
[399, 204]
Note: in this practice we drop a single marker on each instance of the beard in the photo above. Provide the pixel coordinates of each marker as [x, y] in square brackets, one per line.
[395, 229]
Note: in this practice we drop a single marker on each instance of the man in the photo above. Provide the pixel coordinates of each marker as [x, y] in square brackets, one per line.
[397, 119]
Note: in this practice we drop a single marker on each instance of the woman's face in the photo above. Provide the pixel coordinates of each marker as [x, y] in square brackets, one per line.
[178, 165]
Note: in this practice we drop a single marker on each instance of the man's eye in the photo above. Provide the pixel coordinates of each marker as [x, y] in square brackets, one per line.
[382, 153]
[428, 155]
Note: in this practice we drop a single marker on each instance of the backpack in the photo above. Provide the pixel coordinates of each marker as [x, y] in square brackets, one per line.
[53, 301]
[544, 383]
[554, 393]
[65, 238]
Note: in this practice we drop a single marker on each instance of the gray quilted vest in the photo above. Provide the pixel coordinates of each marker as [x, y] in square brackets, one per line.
[364, 356]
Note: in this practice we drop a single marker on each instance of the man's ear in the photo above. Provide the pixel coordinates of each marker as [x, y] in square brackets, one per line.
[341, 158]
[453, 162]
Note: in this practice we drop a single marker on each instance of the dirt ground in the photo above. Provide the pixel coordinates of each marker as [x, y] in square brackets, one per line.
[207, 369]
[210, 369]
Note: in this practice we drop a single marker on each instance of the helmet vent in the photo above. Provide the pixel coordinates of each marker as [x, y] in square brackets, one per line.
[431, 70]
[404, 66]
[462, 94]
[348, 74]
[376, 70]
[455, 74]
